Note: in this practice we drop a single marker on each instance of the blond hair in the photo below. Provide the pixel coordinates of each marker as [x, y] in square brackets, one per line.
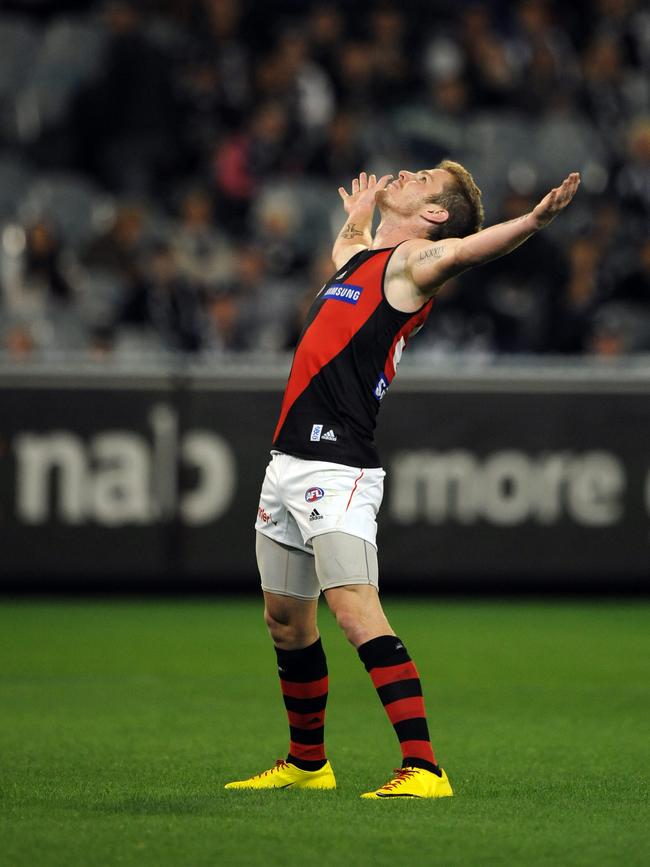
[462, 199]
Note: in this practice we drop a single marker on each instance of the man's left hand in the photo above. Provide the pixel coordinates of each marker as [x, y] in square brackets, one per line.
[556, 200]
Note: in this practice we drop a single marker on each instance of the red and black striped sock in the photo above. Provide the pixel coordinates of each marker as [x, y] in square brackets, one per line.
[303, 678]
[398, 684]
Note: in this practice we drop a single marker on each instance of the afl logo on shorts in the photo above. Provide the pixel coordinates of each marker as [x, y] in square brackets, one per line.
[313, 494]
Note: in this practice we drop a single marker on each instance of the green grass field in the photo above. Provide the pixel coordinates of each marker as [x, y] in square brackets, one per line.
[122, 720]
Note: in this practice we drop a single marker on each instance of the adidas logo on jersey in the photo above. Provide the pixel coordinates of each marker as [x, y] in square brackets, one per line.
[315, 515]
[330, 436]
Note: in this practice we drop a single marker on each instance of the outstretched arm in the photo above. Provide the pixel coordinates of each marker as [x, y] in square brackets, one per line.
[360, 207]
[430, 263]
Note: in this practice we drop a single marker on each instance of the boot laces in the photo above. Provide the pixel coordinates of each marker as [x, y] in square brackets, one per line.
[401, 776]
[278, 766]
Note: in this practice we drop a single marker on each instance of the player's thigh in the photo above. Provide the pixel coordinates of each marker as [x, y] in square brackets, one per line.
[286, 572]
[342, 559]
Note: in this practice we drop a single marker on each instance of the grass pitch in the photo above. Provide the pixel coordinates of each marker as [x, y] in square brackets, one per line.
[121, 721]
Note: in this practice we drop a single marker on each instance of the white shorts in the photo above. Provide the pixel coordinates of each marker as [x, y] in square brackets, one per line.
[301, 499]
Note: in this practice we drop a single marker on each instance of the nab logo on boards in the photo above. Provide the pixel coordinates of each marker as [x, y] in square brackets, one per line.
[509, 487]
[119, 477]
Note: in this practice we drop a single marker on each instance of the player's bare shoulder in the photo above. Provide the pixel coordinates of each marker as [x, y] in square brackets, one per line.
[425, 254]
[422, 266]
[409, 252]
[400, 288]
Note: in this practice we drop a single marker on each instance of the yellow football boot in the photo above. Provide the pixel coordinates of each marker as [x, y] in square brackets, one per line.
[284, 775]
[414, 783]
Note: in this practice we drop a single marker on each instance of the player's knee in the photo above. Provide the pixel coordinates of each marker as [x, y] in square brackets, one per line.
[285, 633]
[352, 621]
[279, 628]
[359, 616]
[344, 615]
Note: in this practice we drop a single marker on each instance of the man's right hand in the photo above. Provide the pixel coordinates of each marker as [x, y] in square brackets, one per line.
[361, 201]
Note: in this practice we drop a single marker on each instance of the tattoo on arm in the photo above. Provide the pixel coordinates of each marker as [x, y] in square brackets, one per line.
[351, 231]
[436, 252]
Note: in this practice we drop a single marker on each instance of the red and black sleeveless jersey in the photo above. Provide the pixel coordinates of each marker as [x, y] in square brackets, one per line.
[345, 360]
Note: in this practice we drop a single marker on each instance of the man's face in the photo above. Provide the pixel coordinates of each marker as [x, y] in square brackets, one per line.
[411, 190]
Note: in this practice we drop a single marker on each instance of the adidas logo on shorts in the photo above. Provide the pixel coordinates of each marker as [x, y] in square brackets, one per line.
[330, 435]
[315, 515]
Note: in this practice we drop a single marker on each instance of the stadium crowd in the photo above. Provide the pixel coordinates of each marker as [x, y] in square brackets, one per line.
[168, 170]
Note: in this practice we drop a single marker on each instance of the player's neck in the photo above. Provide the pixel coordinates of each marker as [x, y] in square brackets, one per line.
[392, 231]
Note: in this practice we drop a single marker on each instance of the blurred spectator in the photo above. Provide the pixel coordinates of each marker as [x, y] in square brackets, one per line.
[488, 70]
[580, 301]
[117, 252]
[355, 78]
[225, 320]
[19, 343]
[220, 29]
[617, 19]
[635, 286]
[395, 76]
[633, 181]
[33, 271]
[276, 232]
[543, 58]
[204, 108]
[307, 84]
[256, 310]
[167, 302]
[612, 91]
[628, 311]
[203, 255]
[243, 160]
[608, 230]
[129, 116]
[433, 131]
[234, 314]
[619, 329]
[338, 154]
[518, 295]
[325, 30]
[101, 342]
